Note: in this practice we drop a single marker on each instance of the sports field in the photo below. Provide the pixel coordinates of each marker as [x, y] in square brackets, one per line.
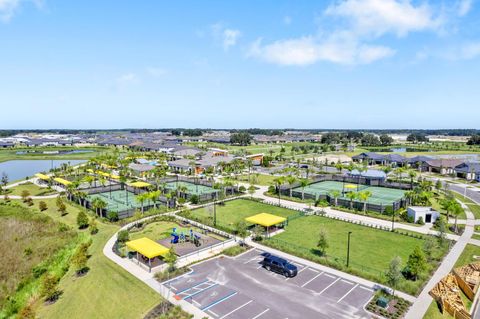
[380, 195]
[119, 200]
[193, 189]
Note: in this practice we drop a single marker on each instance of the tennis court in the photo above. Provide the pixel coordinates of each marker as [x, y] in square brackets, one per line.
[380, 195]
[119, 200]
[194, 189]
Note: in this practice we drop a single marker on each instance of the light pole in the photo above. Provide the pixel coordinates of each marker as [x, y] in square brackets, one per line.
[348, 248]
[393, 218]
[215, 212]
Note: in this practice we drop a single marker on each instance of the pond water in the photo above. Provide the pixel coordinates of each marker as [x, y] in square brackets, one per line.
[19, 169]
[401, 150]
[54, 152]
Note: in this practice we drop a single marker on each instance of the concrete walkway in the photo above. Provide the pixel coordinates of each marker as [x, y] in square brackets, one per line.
[420, 307]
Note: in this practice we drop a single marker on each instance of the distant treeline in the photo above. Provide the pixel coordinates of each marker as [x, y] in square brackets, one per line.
[252, 131]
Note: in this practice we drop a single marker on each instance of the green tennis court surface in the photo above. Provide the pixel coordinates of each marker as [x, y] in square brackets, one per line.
[380, 195]
[119, 200]
[191, 188]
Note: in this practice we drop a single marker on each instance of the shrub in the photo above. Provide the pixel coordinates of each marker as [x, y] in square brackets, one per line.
[49, 287]
[420, 221]
[112, 216]
[235, 250]
[42, 206]
[123, 236]
[194, 199]
[242, 189]
[82, 220]
[93, 226]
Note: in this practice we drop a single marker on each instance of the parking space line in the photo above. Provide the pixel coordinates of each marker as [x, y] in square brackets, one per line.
[311, 280]
[311, 269]
[261, 313]
[238, 308]
[321, 292]
[347, 282]
[213, 313]
[192, 286]
[347, 293]
[254, 258]
[196, 293]
[367, 289]
[220, 300]
[329, 275]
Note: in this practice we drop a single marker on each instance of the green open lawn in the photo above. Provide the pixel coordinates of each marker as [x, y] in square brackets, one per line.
[11, 154]
[371, 249]
[33, 189]
[435, 202]
[474, 207]
[235, 211]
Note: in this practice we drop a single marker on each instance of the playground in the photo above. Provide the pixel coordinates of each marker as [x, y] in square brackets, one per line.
[184, 238]
[380, 195]
[230, 212]
[120, 200]
[190, 188]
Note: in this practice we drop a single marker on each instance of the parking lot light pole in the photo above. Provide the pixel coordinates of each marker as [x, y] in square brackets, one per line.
[348, 248]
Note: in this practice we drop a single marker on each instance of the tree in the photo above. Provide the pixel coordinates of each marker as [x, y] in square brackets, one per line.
[386, 140]
[335, 194]
[394, 273]
[82, 220]
[241, 229]
[93, 226]
[4, 180]
[79, 260]
[171, 259]
[438, 185]
[364, 196]
[428, 247]
[351, 196]
[456, 210]
[251, 190]
[291, 180]
[42, 206]
[322, 243]
[370, 140]
[49, 287]
[62, 208]
[303, 183]
[241, 138]
[442, 229]
[25, 194]
[123, 236]
[474, 140]
[416, 263]
[412, 174]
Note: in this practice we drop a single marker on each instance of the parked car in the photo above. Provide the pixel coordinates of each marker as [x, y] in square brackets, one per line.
[279, 265]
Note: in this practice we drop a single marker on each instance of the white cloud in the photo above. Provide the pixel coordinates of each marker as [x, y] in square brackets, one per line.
[464, 7]
[126, 79]
[156, 72]
[340, 48]
[377, 17]
[227, 37]
[8, 8]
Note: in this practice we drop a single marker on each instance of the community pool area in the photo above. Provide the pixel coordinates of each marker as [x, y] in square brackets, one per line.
[379, 195]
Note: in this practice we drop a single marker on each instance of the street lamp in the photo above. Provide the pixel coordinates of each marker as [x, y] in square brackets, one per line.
[348, 248]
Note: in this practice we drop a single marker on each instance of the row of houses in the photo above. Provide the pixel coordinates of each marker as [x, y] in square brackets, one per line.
[446, 166]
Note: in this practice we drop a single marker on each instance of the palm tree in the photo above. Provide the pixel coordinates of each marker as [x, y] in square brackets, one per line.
[101, 204]
[364, 196]
[456, 210]
[141, 198]
[351, 196]
[339, 167]
[227, 182]
[335, 194]
[153, 196]
[412, 174]
[278, 183]
[303, 184]
[291, 180]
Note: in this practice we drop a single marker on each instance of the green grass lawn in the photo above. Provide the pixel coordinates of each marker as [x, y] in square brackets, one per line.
[33, 189]
[234, 211]
[435, 202]
[260, 179]
[474, 207]
[371, 249]
[11, 154]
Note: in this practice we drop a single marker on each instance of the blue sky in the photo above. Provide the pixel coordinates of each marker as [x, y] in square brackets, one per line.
[240, 64]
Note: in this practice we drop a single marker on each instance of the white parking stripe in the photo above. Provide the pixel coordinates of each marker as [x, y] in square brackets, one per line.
[347, 293]
[311, 280]
[367, 289]
[256, 257]
[213, 313]
[236, 309]
[321, 292]
[261, 313]
[347, 282]
[329, 275]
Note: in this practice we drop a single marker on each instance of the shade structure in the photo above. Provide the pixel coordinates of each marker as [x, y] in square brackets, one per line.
[265, 219]
[62, 181]
[42, 176]
[147, 247]
[351, 186]
[140, 184]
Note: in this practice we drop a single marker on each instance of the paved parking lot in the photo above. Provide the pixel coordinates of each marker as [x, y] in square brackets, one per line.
[241, 288]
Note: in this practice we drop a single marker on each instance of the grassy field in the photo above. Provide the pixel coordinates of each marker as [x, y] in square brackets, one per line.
[371, 250]
[27, 240]
[11, 154]
[465, 258]
[107, 291]
[474, 207]
[435, 202]
[235, 211]
[33, 189]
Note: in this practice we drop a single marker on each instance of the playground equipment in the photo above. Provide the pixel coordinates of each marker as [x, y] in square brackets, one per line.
[182, 238]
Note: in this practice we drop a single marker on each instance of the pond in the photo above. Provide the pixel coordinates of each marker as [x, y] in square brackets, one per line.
[54, 152]
[19, 169]
[400, 149]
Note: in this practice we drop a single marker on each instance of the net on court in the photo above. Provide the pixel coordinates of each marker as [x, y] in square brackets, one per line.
[380, 195]
[119, 200]
[190, 188]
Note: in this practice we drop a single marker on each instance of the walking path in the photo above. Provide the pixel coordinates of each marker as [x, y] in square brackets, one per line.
[31, 180]
[420, 307]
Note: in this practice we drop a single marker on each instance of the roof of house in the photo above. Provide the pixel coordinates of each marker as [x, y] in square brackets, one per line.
[140, 167]
[468, 167]
[420, 158]
[444, 163]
